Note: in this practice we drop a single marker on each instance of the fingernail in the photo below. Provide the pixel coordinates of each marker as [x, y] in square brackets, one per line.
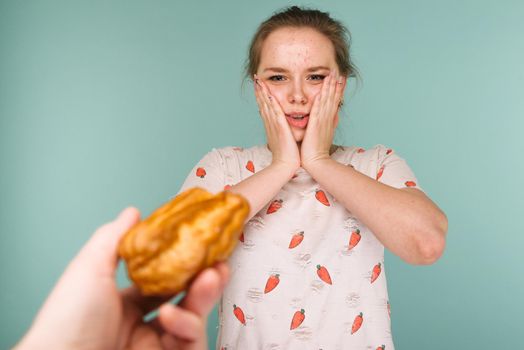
[341, 79]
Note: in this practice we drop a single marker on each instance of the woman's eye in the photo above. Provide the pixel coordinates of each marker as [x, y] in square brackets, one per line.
[276, 78]
[317, 77]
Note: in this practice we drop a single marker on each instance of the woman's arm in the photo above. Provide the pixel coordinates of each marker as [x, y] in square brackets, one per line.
[260, 187]
[405, 220]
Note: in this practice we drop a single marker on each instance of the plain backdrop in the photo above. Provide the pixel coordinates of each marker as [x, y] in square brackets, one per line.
[105, 104]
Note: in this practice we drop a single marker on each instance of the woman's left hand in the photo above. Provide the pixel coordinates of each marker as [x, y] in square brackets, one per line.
[323, 120]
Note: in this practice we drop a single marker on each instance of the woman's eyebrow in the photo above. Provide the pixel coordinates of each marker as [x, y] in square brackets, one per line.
[312, 69]
[276, 69]
[283, 70]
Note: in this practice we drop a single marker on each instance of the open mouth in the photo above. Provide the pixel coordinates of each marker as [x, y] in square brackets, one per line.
[298, 120]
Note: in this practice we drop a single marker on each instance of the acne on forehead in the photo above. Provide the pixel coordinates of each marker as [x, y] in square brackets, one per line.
[293, 47]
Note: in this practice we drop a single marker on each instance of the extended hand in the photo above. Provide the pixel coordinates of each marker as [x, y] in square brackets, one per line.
[87, 311]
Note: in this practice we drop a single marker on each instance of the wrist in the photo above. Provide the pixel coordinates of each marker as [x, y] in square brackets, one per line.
[286, 170]
[313, 164]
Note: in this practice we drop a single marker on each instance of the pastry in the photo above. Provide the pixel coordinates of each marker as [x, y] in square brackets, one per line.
[191, 232]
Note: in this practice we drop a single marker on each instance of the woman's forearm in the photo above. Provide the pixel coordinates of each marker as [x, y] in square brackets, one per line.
[407, 222]
[262, 186]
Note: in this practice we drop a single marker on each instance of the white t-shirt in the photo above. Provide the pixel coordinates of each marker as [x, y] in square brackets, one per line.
[306, 273]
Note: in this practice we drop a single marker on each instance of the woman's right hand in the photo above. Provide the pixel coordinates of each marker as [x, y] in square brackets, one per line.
[279, 136]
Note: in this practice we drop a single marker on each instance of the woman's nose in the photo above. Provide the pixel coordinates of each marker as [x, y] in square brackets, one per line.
[297, 94]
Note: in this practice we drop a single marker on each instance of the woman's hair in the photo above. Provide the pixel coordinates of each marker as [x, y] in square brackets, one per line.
[300, 17]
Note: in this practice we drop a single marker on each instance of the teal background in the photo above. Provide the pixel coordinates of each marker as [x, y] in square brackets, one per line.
[105, 104]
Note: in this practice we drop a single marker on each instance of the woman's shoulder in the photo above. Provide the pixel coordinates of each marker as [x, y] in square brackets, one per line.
[257, 150]
[364, 159]
[377, 148]
[376, 152]
[254, 157]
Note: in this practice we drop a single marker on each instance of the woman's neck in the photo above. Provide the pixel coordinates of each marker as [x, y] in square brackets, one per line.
[332, 149]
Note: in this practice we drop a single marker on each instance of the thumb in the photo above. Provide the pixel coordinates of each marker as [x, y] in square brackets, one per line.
[206, 290]
[101, 251]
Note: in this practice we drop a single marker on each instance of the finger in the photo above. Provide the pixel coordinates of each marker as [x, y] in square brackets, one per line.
[100, 252]
[276, 117]
[108, 236]
[264, 112]
[262, 106]
[332, 100]
[325, 87]
[329, 94]
[276, 111]
[203, 293]
[334, 104]
[144, 337]
[339, 93]
[268, 99]
[322, 97]
[170, 342]
[258, 96]
[262, 100]
[223, 271]
[332, 89]
[181, 323]
[315, 108]
[145, 304]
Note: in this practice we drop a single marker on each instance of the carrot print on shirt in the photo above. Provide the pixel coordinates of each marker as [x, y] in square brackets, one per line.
[296, 239]
[321, 197]
[380, 172]
[274, 206]
[297, 319]
[376, 272]
[201, 172]
[323, 274]
[271, 283]
[354, 239]
[250, 166]
[357, 323]
[239, 314]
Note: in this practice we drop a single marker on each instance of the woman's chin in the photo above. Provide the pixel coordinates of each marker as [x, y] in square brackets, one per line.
[298, 134]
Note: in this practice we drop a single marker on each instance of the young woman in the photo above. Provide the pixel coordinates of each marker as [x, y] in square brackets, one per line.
[309, 270]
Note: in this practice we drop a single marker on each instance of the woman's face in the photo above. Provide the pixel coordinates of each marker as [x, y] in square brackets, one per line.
[293, 63]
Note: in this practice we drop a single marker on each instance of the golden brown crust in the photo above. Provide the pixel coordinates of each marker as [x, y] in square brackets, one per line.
[193, 231]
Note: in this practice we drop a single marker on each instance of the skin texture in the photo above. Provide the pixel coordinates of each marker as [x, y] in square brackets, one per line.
[86, 310]
[404, 220]
[295, 50]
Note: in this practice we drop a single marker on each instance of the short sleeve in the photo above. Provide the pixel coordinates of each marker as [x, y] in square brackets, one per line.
[393, 170]
[208, 173]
